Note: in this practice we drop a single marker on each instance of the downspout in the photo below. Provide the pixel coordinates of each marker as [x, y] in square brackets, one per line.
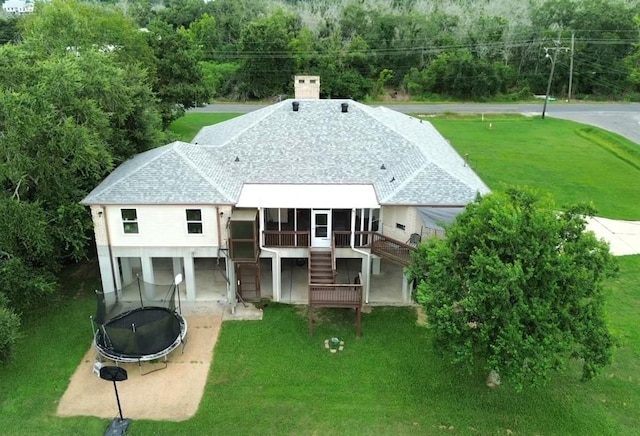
[113, 269]
[276, 278]
[231, 300]
[367, 274]
[218, 219]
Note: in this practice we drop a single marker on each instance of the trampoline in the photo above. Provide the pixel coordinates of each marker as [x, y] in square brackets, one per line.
[148, 331]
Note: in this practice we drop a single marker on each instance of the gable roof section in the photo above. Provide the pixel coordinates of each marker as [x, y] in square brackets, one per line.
[318, 144]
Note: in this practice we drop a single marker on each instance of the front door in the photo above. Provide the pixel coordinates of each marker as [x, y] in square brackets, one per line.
[321, 228]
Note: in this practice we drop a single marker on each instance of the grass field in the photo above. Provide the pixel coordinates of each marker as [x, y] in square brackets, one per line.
[270, 378]
[576, 163]
[187, 127]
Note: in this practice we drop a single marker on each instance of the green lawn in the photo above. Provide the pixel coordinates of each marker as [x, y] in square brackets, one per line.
[186, 127]
[270, 378]
[576, 163]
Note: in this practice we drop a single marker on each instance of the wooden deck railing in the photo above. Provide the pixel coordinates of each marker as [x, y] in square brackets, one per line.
[286, 238]
[333, 256]
[337, 295]
[392, 249]
[341, 238]
[380, 245]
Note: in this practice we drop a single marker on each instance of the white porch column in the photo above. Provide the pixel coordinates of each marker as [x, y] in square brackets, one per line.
[147, 269]
[275, 275]
[366, 276]
[127, 270]
[232, 285]
[275, 260]
[375, 265]
[406, 289]
[147, 275]
[190, 278]
[116, 273]
[176, 263]
[106, 269]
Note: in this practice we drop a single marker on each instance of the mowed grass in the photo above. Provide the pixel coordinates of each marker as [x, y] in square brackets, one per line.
[270, 378]
[574, 162]
[186, 127]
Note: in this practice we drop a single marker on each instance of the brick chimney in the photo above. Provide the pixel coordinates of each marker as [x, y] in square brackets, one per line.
[307, 87]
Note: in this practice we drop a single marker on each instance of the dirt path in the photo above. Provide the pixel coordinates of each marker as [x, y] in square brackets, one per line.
[171, 394]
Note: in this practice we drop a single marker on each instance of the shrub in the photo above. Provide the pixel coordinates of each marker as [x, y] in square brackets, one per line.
[9, 332]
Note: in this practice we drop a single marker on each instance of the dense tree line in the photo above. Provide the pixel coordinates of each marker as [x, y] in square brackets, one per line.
[429, 49]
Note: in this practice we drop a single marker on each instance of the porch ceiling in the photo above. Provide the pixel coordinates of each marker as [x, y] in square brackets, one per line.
[307, 196]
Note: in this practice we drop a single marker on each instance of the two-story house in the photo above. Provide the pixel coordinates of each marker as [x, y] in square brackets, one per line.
[293, 190]
[18, 7]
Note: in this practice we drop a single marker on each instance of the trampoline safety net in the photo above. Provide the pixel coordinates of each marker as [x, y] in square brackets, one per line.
[149, 327]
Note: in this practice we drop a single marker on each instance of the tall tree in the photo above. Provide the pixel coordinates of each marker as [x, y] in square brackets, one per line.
[179, 81]
[232, 16]
[267, 65]
[69, 114]
[517, 287]
[71, 26]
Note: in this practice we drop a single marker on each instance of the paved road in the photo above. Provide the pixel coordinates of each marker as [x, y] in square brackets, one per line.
[621, 118]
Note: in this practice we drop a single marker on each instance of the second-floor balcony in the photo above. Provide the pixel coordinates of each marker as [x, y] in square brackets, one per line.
[379, 244]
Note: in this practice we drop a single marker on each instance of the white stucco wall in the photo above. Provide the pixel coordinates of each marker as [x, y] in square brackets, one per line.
[159, 226]
[405, 215]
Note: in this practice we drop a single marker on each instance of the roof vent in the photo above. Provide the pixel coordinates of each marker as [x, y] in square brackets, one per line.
[295, 105]
[345, 107]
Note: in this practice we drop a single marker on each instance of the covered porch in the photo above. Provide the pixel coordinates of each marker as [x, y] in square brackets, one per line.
[211, 284]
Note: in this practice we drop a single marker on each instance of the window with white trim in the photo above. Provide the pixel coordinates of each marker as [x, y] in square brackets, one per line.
[194, 221]
[129, 220]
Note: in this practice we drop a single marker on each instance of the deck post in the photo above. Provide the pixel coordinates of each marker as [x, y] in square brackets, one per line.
[127, 270]
[190, 277]
[147, 270]
[406, 289]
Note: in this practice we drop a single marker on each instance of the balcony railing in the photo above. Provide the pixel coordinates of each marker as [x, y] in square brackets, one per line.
[286, 238]
[379, 244]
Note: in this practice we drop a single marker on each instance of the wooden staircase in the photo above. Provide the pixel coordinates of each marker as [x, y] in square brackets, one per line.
[323, 290]
[248, 276]
[321, 270]
[393, 250]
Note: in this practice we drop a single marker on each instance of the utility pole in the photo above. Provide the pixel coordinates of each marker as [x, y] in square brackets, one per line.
[573, 35]
[553, 58]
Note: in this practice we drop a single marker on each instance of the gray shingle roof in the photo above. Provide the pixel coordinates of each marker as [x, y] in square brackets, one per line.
[317, 144]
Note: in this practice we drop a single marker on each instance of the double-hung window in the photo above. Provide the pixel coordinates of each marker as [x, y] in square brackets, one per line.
[129, 220]
[194, 221]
